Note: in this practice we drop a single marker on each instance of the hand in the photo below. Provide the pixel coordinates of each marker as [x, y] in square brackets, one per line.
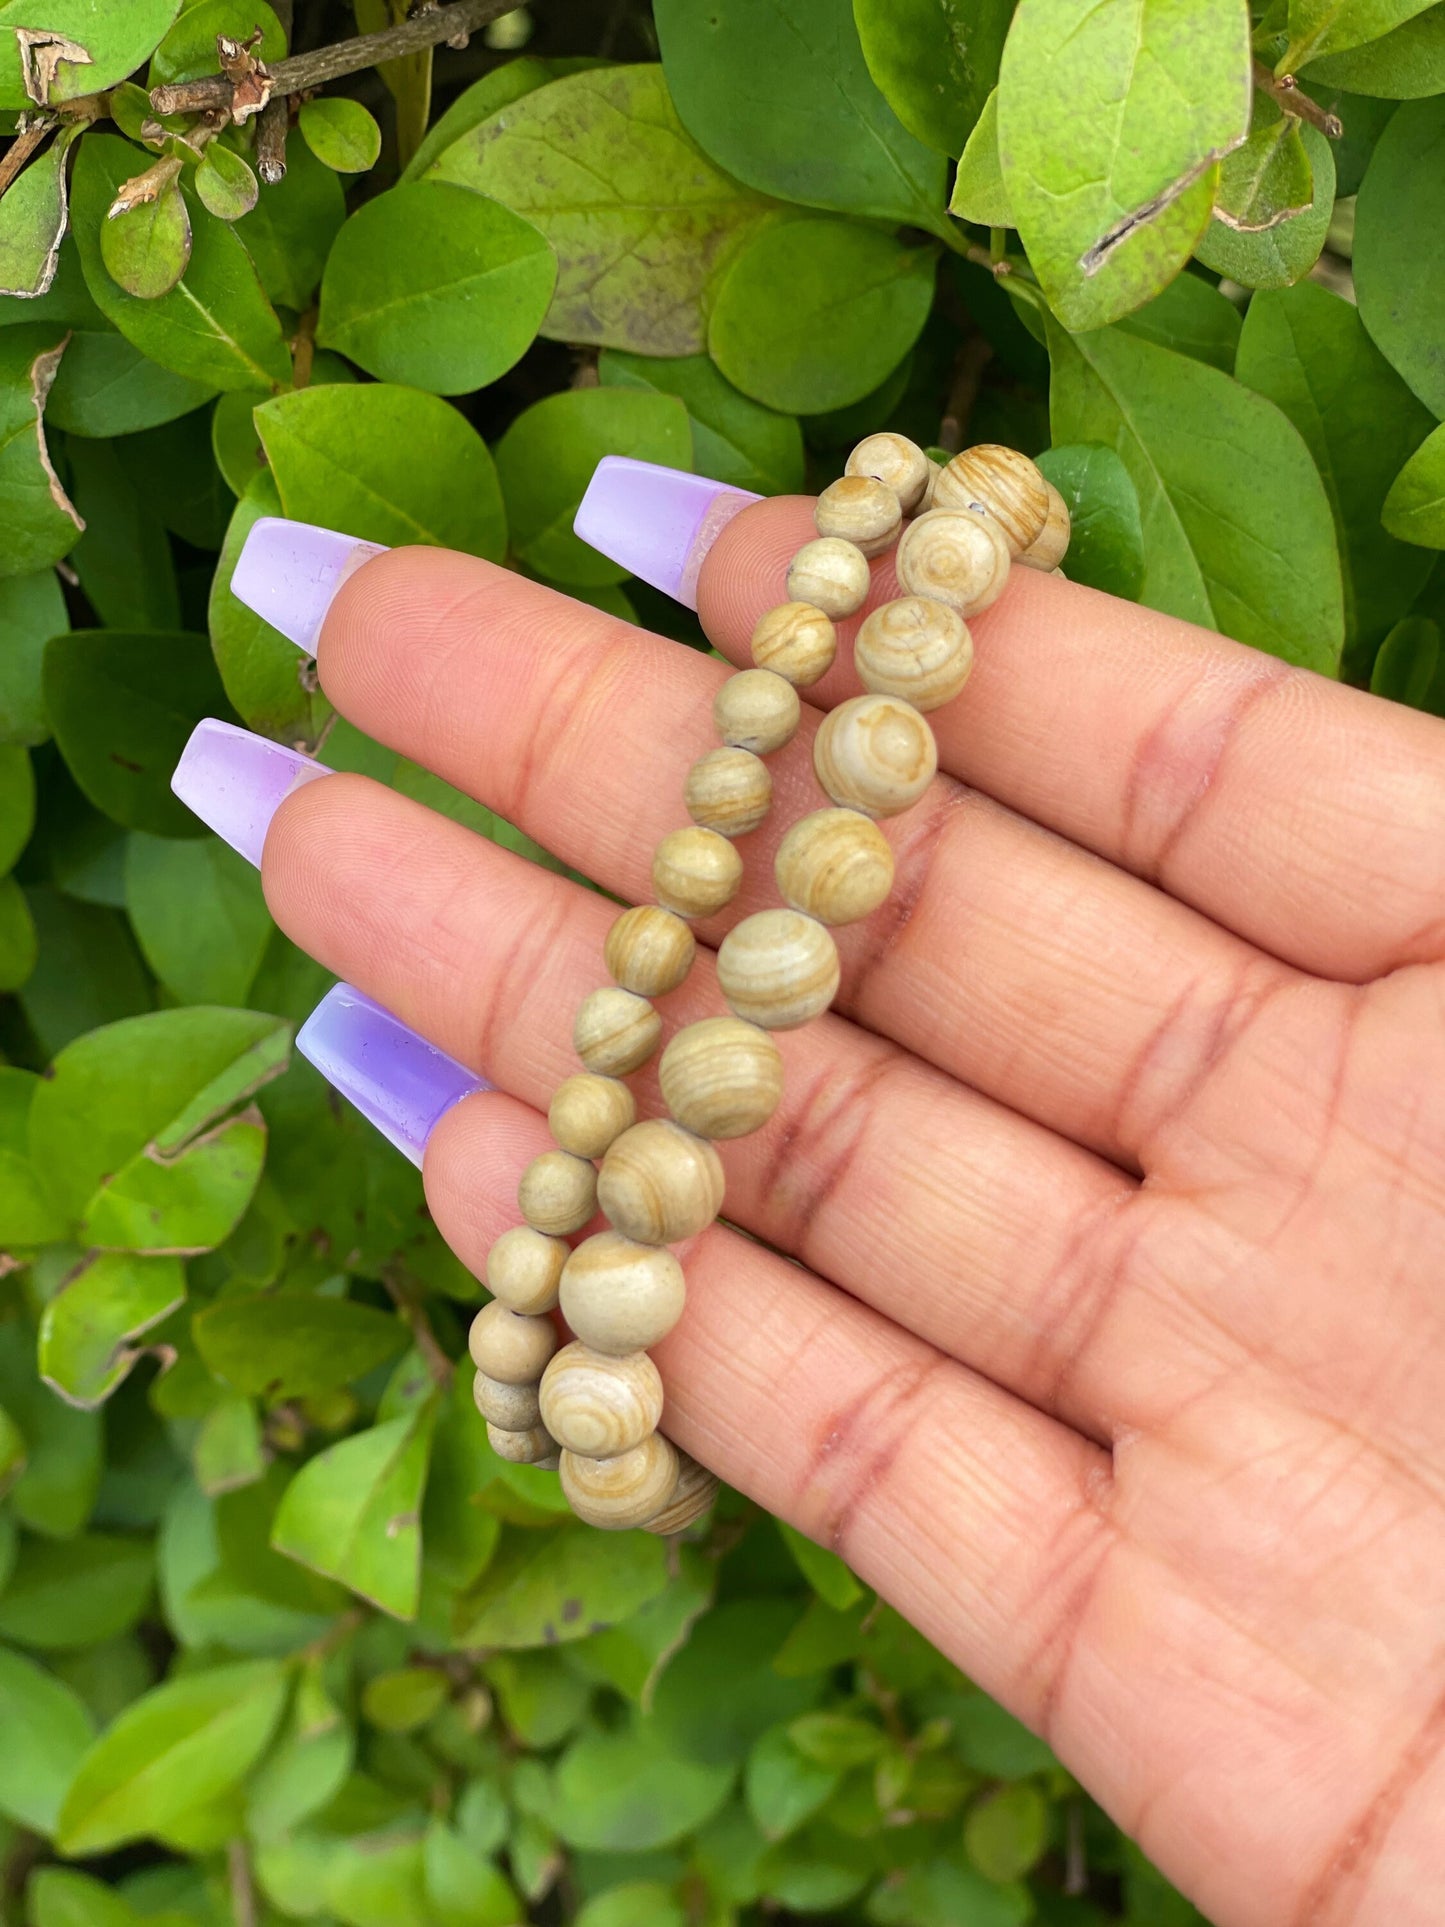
[1107, 1343]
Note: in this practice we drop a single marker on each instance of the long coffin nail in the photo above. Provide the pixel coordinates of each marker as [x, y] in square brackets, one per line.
[288, 572]
[235, 782]
[657, 523]
[397, 1080]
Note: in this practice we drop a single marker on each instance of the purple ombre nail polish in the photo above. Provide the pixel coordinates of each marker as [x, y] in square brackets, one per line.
[235, 782]
[289, 572]
[657, 523]
[396, 1079]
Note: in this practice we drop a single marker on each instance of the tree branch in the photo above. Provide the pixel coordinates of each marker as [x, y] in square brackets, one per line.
[271, 131]
[1285, 91]
[305, 71]
[26, 144]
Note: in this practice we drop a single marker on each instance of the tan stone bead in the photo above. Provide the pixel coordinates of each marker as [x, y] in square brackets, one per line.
[696, 872]
[620, 1296]
[796, 641]
[834, 865]
[524, 1269]
[915, 648]
[659, 1183]
[756, 710]
[831, 574]
[729, 790]
[694, 1492]
[599, 1404]
[558, 1193]
[895, 460]
[506, 1345]
[649, 950]
[861, 509]
[521, 1448]
[778, 969]
[617, 1494]
[615, 1032]
[586, 1113]
[721, 1077]
[1051, 545]
[1004, 484]
[956, 556]
[875, 754]
[512, 1408]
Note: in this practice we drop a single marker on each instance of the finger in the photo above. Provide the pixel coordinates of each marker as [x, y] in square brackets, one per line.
[1019, 964]
[1306, 816]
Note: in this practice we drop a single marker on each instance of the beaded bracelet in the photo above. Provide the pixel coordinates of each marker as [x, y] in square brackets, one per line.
[592, 1408]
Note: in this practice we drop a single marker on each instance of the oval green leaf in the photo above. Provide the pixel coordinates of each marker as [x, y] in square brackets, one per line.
[1258, 241]
[69, 1593]
[295, 1345]
[112, 1297]
[147, 248]
[341, 134]
[1407, 64]
[32, 610]
[935, 61]
[106, 387]
[734, 439]
[1106, 539]
[1415, 506]
[189, 49]
[118, 39]
[1408, 663]
[47, 1731]
[41, 522]
[225, 183]
[1399, 283]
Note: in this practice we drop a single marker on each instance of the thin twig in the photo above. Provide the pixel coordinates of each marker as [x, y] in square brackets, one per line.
[438, 1365]
[243, 1891]
[968, 366]
[271, 132]
[1290, 98]
[305, 71]
[26, 144]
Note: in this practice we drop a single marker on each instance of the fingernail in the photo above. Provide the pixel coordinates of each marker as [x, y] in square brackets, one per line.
[288, 572]
[396, 1079]
[235, 782]
[657, 523]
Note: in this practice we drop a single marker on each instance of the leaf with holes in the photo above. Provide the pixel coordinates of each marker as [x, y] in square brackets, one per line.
[88, 1329]
[41, 522]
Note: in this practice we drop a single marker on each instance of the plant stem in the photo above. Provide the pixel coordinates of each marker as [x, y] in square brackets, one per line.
[243, 1892]
[1285, 91]
[23, 148]
[271, 132]
[423, 1337]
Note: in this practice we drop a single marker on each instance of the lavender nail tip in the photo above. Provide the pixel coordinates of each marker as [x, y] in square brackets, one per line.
[657, 523]
[289, 573]
[235, 782]
[396, 1079]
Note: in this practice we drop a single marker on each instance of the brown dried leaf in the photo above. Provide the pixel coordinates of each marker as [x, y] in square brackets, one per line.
[41, 52]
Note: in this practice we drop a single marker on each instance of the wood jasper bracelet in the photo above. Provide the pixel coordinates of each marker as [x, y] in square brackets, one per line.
[592, 1408]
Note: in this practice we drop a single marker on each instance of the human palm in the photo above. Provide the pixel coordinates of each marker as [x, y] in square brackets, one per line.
[1090, 1306]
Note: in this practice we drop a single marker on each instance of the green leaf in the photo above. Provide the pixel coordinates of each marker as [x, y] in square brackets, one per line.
[1106, 541]
[1258, 242]
[353, 1512]
[979, 194]
[638, 1903]
[385, 464]
[32, 610]
[734, 439]
[1006, 1832]
[225, 183]
[1400, 285]
[189, 49]
[408, 79]
[32, 222]
[721, 1691]
[1415, 506]
[989, 1738]
[462, 1889]
[182, 1745]
[1307, 350]
[1112, 120]
[110, 1299]
[260, 668]
[797, 281]
[937, 1893]
[541, 1695]
[341, 134]
[640, 221]
[1269, 178]
[935, 61]
[122, 706]
[66, 1593]
[12, 1464]
[778, 93]
[543, 1587]
[47, 1731]
[90, 971]
[146, 248]
[17, 803]
[19, 945]
[434, 285]
[824, 1571]
[485, 97]
[60, 1897]
[546, 459]
[625, 1792]
[308, 1764]
[198, 914]
[1192, 317]
[1404, 65]
[290, 231]
[1408, 663]
[229, 1451]
[1237, 528]
[216, 327]
[401, 1701]
[837, 1740]
[41, 523]
[124, 559]
[294, 1345]
[1320, 27]
[377, 1880]
[56, 1491]
[105, 386]
[117, 39]
[783, 1786]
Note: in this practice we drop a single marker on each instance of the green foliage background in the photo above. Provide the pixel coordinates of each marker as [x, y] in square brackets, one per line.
[279, 1637]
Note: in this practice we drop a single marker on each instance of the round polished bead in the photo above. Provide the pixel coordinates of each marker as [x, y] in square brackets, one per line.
[696, 872]
[615, 1032]
[875, 754]
[721, 1077]
[586, 1113]
[861, 509]
[524, 1269]
[507, 1345]
[896, 460]
[649, 950]
[778, 969]
[659, 1183]
[915, 648]
[956, 556]
[756, 710]
[796, 641]
[521, 1448]
[513, 1408]
[834, 865]
[1051, 545]
[831, 574]
[694, 1492]
[620, 1296]
[617, 1494]
[1004, 484]
[599, 1404]
[558, 1193]
[729, 790]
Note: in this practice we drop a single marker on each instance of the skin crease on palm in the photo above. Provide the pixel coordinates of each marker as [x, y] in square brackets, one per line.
[1091, 1308]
